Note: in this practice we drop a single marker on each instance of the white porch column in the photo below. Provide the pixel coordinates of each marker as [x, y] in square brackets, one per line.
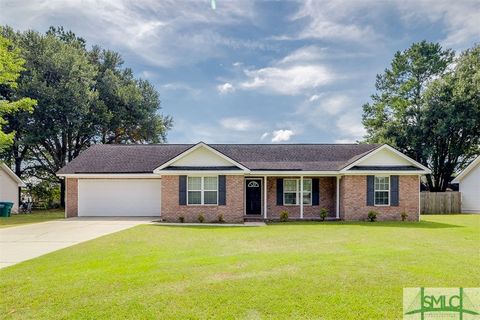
[337, 211]
[301, 197]
[265, 205]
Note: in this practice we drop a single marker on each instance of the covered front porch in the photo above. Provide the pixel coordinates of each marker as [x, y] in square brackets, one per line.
[302, 197]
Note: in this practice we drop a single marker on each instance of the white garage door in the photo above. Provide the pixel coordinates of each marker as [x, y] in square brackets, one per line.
[119, 197]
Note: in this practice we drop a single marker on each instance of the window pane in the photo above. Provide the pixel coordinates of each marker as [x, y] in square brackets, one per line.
[382, 183]
[194, 183]
[210, 197]
[290, 198]
[307, 185]
[210, 183]
[307, 198]
[194, 197]
[290, 185]
[381, 197]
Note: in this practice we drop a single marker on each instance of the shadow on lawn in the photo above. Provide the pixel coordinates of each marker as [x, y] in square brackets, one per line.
[391, 224]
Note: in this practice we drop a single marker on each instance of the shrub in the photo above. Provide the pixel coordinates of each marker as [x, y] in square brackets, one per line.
[372, 216]
[220, 218]
[323, 213]
[404, 215]
[284, 216]
[201, 218]
[181, 219]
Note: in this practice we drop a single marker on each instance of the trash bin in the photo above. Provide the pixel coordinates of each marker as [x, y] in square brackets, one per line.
[6, 209]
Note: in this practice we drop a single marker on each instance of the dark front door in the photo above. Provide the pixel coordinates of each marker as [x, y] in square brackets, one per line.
[254, 196]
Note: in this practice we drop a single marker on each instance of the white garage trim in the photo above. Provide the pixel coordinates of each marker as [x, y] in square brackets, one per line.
[119, 197]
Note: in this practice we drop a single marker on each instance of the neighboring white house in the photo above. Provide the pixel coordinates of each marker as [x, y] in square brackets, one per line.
[469, 183]
[9, 186]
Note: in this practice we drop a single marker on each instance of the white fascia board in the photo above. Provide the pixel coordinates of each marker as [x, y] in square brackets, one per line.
[200, 172]
[389, 172]
[293, 173]
[386, 146]
[195, 147]
[13, 175]
[110, 175]
[465, 171]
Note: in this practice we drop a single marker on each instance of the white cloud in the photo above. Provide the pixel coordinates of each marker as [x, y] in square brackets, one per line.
[281, 135]
[297, 73]
[319, 109]
[225, 88]
[460, 18]
[345, 141]
[180, 86]
[335, 104]
[264, 135]
[238, 124]
[335, 20]
[308, 53]
[362, 22]
[288, 80]
[163, 33]
[350, 127]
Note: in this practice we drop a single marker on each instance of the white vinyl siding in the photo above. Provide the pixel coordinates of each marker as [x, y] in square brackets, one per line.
[202, 190]
[291, 191]
[382, 191]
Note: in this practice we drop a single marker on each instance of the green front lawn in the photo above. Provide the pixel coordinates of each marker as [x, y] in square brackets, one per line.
[35, 216]
[312, 270]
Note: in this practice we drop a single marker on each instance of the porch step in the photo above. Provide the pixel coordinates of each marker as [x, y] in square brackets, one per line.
[253, 218]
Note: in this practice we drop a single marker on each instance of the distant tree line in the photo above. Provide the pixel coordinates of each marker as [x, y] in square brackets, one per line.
[427, 105]
[82, 96]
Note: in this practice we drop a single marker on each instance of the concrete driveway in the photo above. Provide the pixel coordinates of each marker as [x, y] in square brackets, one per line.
[29, 241]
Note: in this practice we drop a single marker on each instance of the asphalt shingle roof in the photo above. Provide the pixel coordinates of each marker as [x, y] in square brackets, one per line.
[145, 158]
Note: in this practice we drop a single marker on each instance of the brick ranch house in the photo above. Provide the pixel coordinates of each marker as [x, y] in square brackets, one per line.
[243, 181]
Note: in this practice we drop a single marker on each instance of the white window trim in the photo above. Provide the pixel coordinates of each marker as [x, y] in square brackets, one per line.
[202, 190]
[375, 191]
[297, 192]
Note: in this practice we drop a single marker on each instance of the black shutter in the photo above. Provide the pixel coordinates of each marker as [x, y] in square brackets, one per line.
[279, 192]
[315, 192]
[394, 191]
[370, 190]
[182, 190]
[222, 191]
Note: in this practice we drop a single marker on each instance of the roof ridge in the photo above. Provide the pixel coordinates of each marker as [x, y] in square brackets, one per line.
[235, 144]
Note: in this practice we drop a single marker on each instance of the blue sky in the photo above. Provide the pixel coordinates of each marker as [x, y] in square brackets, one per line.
[261, 71]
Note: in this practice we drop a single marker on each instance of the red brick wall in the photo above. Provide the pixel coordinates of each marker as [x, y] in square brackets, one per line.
[71, 197]
[232, 212]
[327, 200]
[353, 195]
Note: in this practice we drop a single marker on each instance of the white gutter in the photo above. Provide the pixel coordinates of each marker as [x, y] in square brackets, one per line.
[111, 175]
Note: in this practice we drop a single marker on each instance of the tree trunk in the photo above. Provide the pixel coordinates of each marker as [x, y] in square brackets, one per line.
[430, 183]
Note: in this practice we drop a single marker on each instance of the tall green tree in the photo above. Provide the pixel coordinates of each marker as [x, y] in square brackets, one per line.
[83, 98]
[452, 118]
[11, 64]
[403, 113]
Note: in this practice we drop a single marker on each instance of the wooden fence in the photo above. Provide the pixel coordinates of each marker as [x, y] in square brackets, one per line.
[440, 202]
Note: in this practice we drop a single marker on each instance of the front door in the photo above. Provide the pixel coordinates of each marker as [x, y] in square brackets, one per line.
[254, 196]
